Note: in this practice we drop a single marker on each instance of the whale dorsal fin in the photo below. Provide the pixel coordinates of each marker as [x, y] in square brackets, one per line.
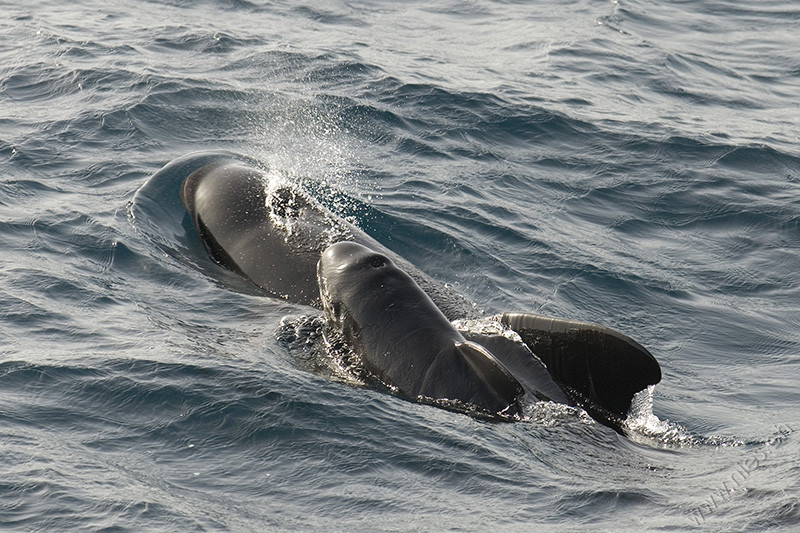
[601, 364]
[486, 365]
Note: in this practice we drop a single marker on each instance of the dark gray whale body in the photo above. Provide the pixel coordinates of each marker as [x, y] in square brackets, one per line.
[275, 238]
[232, 215]
[403, 338]
[395, 318]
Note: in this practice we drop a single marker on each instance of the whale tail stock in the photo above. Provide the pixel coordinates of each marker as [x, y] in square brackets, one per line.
[600, 368]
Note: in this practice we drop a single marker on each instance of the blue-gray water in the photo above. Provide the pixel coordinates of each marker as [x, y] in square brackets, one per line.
[632, 163]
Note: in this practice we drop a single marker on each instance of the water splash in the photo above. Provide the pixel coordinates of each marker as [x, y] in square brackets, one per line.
[304, 337]
[644, 427]
[489, 325]
[304, 142]
[550, 414]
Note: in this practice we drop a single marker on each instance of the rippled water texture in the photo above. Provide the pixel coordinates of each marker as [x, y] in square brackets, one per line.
[635, 164]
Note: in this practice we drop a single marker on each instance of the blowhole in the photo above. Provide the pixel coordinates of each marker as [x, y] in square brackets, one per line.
[377, 261]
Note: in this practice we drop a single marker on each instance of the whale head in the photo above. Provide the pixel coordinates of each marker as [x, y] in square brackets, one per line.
[403, 339]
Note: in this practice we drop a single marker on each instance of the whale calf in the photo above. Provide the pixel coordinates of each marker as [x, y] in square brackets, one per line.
[403, 339]
[276, 237]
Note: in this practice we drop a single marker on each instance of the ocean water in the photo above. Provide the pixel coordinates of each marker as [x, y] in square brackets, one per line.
[630, 163]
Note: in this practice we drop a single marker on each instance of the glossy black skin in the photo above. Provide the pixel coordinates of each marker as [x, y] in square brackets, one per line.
[600, 368]
[244, 228]
[227, 201]
[403, 339]
[275, 238]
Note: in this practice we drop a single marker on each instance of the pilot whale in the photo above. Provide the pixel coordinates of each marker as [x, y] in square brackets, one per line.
[287, 243]
[275, 237]
[404, 339]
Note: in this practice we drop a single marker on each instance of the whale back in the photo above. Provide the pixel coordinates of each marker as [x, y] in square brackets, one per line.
[272, 238]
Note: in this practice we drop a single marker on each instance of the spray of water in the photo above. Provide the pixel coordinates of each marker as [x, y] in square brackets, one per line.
[303, 141]
[643, 426]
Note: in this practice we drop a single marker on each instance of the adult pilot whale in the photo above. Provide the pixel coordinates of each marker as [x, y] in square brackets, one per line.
[276, 236]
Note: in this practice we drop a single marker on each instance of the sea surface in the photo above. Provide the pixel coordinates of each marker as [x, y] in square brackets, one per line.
[630, 163]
